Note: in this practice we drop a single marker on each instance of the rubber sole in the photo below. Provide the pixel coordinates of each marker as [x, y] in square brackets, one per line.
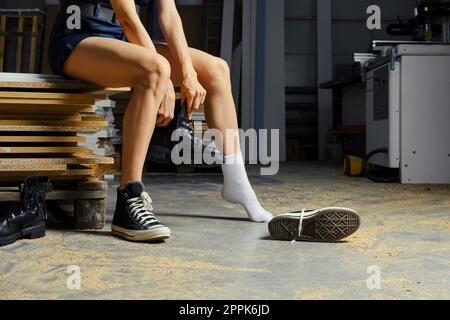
[33, 232]
[156, 234]
[326, 225]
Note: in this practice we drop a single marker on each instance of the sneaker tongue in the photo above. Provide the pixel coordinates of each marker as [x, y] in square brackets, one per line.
[135, 189]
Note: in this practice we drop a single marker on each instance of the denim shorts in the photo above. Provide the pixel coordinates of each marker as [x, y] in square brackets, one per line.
[63, 40]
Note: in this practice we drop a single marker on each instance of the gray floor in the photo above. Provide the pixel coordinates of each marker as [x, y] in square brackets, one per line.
[215, 253]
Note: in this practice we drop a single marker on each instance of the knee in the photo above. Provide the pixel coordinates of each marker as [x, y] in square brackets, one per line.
[153, 73]
[218, 71]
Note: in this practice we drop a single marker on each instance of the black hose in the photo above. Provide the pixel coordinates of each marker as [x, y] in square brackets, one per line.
[365, 169]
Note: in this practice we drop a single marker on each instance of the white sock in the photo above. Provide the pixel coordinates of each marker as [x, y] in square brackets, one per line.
[237, 188]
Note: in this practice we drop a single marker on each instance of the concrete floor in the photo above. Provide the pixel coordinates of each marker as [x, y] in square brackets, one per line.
[215, 253]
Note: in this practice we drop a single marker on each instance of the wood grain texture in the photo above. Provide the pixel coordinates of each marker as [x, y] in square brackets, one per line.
[45, 150]
[50, 139]
[49, 173]
[48, 128]
[52, 95]
[74, 159]
[58, 195]
[15, 168]
[22, 122]
[55, 108]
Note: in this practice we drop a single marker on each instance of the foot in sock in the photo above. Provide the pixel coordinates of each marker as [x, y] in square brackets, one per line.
[237, 189]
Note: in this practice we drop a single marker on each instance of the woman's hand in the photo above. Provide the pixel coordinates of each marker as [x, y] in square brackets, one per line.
[167, 107]
[193, 92]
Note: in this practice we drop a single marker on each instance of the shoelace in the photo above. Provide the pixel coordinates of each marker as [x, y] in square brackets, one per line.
[300, 223]
[141, 209]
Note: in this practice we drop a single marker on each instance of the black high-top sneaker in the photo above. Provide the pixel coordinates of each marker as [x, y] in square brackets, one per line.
[27, 219]
[133, 218]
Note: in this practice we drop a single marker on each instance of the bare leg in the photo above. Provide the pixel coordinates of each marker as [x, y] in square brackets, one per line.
[214, 75]
[114, 63]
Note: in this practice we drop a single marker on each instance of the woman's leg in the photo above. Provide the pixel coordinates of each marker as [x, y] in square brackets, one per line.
[220, 111]
[114, 63]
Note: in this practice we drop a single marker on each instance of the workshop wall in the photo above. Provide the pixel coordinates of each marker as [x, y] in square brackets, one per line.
[349, 33]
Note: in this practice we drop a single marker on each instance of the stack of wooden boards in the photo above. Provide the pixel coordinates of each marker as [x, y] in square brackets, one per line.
[101, 142]
[44, 121]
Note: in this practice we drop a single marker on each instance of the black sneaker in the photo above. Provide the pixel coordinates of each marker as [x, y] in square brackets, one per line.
[27, 219]
[323, 225]
[133, 218]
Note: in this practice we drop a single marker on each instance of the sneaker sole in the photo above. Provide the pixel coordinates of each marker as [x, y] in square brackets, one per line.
[34, 232]
[156, 234]
[327, 225]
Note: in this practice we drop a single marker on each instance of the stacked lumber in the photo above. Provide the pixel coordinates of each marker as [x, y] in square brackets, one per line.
[101, 142]
[41, 133]
[47, 125]
[50, 126]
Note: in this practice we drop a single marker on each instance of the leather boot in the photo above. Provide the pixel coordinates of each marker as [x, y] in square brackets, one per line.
[27, 219]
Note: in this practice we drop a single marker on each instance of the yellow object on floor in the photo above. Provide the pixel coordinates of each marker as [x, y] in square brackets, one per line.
[353, 165]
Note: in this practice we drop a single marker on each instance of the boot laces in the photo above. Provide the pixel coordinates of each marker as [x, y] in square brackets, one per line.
[141, 209]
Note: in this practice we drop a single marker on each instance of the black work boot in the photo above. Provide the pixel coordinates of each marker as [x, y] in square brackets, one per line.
[133, 218]
[27, 219]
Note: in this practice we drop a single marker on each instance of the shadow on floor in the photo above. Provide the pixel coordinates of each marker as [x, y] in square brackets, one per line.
[197, 216]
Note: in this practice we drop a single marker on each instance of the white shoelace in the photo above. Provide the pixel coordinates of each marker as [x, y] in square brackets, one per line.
[300, 223]
[141, 209]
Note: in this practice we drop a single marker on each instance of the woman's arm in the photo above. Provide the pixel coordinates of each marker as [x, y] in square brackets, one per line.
[131, 23]
[172, 28]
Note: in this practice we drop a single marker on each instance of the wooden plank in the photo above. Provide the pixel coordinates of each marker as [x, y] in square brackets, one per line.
[51, 95]
[2, 42]
[57, 195]
[54, 123]
[30, 108]
[85, 156]
[110, 91]
[92, 117]
[45, 150]
[33, 45]
[41, 116]
[16, 168]
[46, 102]
[74, 159]
[50, 173]
[49, 128]
[71, 178]
[49, 86]
[42, 139]
[19, 44]
[53, 82]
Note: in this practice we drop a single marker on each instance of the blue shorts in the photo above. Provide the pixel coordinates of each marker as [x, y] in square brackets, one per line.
[63, 40]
